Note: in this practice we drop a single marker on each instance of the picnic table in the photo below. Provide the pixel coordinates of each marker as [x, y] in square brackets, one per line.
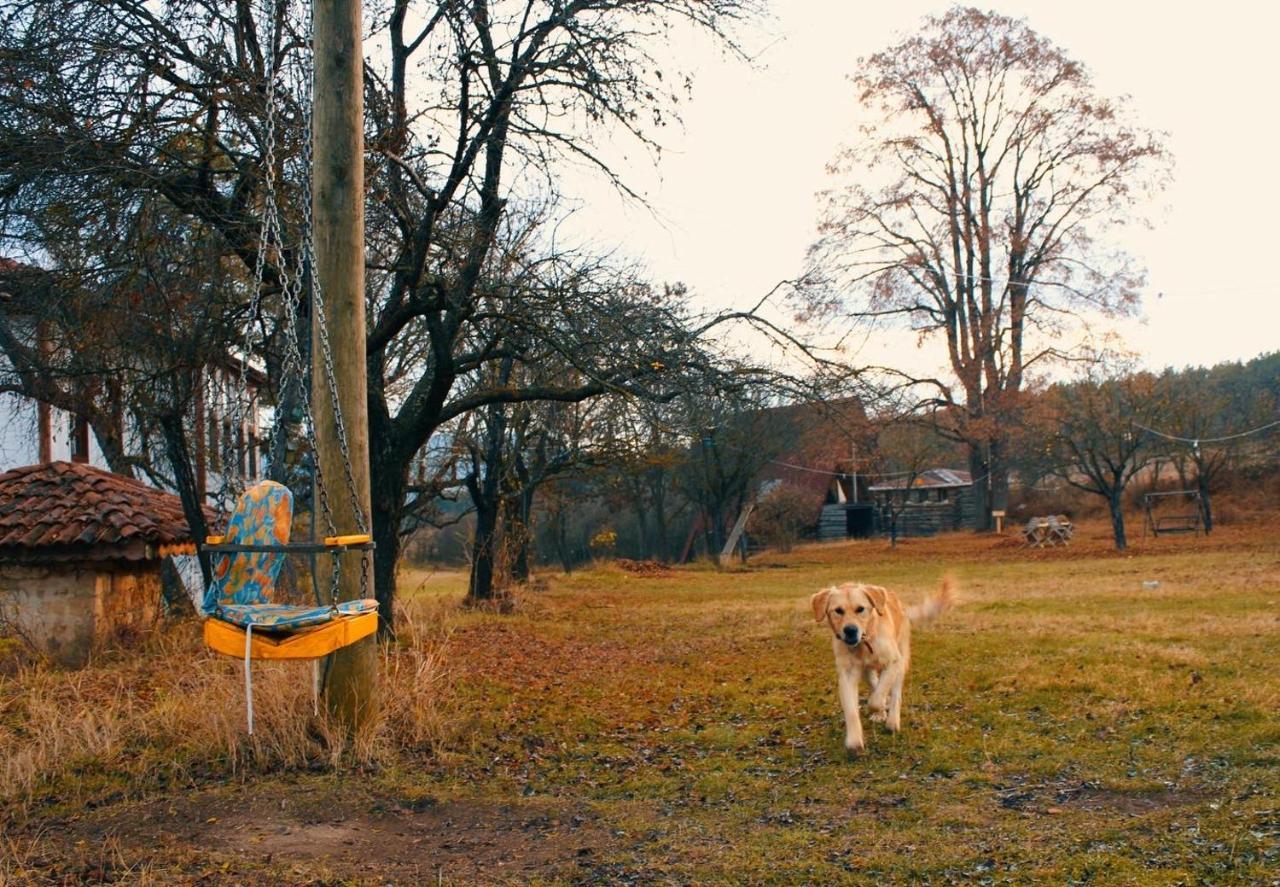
[1047, 530]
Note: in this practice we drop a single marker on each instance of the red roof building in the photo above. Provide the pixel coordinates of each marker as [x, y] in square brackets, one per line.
[82, 552]
[72, 511]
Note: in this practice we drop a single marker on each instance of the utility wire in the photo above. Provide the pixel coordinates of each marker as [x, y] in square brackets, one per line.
[1196, 441]
[837, 473]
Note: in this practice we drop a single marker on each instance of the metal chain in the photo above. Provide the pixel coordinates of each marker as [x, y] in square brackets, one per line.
[319, 318]
[270, 229]
[270, 233]
[326, 352]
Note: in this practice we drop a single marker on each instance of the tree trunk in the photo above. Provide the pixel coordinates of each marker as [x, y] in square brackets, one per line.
[483, 547]
[1206, 510]
[978, 470]
[1117, 520]
[642, 524]
[562, 542]
[175, 444]
[998, 479]
[112, 446]
[390, 482]
[516, 531]
[661, 530]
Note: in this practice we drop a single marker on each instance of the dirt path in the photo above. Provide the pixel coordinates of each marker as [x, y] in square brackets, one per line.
[297, 834]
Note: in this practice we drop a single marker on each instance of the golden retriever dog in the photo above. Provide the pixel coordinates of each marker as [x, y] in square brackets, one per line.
[871, 635]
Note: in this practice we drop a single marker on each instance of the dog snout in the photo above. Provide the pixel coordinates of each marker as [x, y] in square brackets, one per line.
[852, 634]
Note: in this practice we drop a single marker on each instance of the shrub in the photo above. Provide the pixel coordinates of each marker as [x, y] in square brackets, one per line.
[782, 517]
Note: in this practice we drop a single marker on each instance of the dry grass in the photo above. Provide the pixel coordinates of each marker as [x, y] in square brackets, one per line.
[1066, 724]
[169, 712]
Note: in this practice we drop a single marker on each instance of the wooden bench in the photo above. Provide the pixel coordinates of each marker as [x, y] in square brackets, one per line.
[1177, 523]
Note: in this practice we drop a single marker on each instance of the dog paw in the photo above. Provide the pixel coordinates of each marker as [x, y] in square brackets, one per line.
[853, 749]
[877, 707]
[879, 716]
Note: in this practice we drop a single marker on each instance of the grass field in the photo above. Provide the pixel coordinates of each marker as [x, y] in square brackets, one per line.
[1065, 725]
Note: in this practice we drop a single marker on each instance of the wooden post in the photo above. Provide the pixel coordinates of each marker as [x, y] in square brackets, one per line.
[44, 416]
[338, 209]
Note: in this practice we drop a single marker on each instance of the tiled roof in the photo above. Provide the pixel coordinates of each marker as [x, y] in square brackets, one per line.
[932, 478]
[69, 511]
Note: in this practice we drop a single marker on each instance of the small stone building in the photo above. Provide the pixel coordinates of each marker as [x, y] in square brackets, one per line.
[81, 555]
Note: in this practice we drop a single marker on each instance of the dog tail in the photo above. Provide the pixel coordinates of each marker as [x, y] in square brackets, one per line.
[934, 605]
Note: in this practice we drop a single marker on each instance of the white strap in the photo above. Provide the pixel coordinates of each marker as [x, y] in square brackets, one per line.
[248, 675]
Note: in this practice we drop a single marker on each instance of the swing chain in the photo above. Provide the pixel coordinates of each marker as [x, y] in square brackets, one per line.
[267, 229]
[292, 281]
[326, 350]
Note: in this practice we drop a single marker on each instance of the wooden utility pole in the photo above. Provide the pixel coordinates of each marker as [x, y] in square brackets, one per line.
[338, 209]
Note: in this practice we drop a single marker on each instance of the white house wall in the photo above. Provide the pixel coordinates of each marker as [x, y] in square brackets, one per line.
[20, 434]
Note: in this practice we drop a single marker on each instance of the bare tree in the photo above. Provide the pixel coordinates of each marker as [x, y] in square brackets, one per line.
[170, 101]
[1091, 435]
[974, 207]
[123, 335]
[732, 435]
[1211, 410]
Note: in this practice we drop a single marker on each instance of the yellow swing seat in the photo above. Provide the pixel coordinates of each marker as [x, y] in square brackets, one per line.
[307, 643]
[242, 620]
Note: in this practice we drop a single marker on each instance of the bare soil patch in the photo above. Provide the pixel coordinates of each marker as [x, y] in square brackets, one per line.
[1090, 797]
[310, 835]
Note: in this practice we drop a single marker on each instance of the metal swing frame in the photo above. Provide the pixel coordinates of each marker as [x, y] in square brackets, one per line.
[311, 642]
[1174, 523]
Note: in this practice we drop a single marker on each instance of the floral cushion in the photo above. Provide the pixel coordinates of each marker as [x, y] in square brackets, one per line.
[281, 617]
[263, 516]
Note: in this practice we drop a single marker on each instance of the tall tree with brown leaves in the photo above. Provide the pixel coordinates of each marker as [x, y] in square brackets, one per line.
[975, 207]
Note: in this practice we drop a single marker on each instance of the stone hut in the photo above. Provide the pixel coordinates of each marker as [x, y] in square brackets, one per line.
[81, 555]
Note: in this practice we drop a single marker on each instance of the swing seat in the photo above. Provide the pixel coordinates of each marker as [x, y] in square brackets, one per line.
[306, 643]
[283, 618]
[247, 563]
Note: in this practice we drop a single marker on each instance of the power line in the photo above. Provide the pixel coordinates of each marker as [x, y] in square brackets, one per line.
[867, 474]
[1196, 441]
[979, 278]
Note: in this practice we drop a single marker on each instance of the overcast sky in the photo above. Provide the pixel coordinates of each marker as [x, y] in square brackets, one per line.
[733, 194]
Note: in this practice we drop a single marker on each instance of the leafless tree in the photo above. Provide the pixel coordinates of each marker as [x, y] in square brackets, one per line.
[468, 104]
[974, 206]
[906, 448]
[1210, 412]
[1091, 435]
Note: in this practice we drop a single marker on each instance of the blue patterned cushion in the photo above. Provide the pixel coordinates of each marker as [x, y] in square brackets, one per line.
[282, 617]
[263, 516]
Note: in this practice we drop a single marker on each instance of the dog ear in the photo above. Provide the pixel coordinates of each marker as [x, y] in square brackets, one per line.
[819, 603]
[879, 597]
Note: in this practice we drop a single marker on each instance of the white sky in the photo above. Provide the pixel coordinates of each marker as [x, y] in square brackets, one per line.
[733, 193]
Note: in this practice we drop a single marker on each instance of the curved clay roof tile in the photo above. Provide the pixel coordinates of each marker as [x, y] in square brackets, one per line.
[63, 505]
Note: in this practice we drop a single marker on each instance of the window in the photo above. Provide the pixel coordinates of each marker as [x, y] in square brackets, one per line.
[79, 440]
[228, 448]
[215, 454]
